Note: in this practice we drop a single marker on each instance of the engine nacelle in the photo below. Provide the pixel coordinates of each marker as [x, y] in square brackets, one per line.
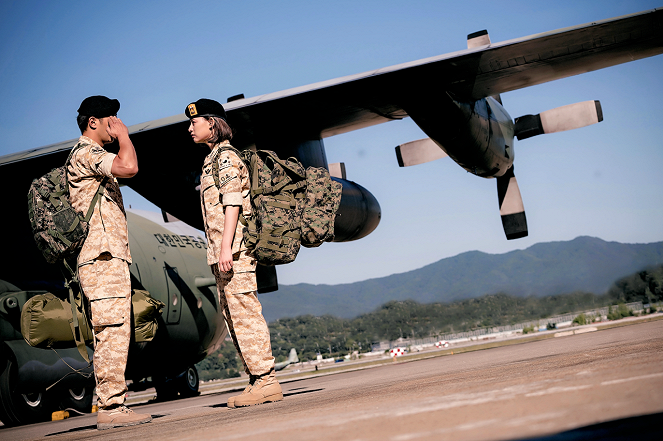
[478, 135]
[358, 215]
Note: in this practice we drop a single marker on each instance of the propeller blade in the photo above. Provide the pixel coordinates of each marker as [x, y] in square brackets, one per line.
[559, 119]
[477, 39]
[512, 209]
[337, 170]
[418, 152]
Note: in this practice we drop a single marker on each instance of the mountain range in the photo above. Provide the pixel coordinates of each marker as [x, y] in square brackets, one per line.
[584, 264]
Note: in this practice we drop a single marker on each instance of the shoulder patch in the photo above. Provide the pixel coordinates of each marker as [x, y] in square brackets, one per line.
[225, 179]
[224, 162]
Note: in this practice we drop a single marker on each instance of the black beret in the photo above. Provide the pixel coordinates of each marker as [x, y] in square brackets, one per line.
[99, 106]
[205, 107]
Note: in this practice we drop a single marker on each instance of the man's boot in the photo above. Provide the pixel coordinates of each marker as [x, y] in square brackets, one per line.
[231, 400]
[120, 416]
[264, 389]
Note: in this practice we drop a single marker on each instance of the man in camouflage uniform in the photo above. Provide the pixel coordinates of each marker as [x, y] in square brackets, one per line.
[103, 263]
[234, 267]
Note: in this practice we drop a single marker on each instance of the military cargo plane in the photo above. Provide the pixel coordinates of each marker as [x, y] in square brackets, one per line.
[292, 358]
[454, 98]
[170, 261]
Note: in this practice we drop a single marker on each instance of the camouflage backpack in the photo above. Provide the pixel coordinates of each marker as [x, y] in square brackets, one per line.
[59, 230]
[291, 206]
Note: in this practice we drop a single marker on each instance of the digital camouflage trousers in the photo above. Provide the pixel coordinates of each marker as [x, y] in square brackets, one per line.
[243, 313]
[107, 286]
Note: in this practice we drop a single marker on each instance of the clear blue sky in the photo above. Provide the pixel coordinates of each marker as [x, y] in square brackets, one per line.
[157, 56]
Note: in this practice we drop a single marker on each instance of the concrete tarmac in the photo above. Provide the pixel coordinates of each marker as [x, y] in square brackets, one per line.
[598, 385]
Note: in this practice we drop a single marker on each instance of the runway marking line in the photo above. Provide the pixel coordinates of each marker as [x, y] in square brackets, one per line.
[554, 390]
[624, 380]
[478, 424]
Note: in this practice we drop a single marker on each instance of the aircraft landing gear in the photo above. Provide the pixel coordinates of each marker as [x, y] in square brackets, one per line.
[188, 382]
[185, 384]
[17, 408]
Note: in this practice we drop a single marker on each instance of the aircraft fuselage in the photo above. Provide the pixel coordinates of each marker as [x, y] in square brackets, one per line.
[172, 267]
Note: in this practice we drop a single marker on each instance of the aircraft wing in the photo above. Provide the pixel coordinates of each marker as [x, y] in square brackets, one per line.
[352, 102]
[169, 162]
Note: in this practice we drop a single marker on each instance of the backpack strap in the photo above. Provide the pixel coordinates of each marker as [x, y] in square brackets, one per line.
[59, 193]
[96, 199]
[72, 283]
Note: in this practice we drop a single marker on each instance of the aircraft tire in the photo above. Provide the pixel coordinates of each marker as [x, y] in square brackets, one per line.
[78, 399]
[17, 408]
[188, 383]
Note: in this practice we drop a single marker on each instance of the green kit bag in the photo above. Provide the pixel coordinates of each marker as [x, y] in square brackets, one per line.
[47, 320]
[147, 311]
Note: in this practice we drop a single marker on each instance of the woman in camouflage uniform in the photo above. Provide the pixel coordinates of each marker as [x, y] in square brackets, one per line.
[234, 267]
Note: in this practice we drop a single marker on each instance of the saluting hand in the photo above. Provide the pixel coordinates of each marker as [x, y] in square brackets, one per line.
[125, 164]
[116, 127]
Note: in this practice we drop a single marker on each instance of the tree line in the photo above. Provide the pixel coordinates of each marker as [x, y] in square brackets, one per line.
[333, 337]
